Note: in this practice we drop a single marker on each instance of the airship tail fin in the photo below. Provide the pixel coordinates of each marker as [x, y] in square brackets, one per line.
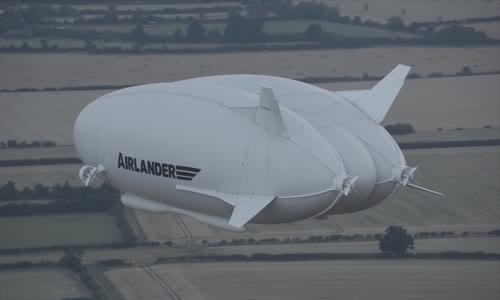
[247, 207]
[379, 99]
[268, 113]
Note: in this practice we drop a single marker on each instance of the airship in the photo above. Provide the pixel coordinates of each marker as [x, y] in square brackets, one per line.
[231, 150]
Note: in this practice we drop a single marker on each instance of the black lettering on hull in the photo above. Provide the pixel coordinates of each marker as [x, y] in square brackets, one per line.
[156, 168]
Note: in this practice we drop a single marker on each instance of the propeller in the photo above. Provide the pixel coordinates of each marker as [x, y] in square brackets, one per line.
[404, 176]
[88, 173]
[345, 183]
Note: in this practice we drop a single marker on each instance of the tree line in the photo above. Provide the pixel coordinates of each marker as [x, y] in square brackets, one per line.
[25, 144]
[238, 28]
[63, 198]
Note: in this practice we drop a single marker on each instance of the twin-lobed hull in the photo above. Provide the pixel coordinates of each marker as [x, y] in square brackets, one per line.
[228, 150]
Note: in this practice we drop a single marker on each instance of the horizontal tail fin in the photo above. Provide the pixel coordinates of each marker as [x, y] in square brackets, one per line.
[380, 98]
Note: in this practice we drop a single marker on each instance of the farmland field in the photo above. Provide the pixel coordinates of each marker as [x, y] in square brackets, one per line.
[417, 11]
[60, 229]
[77, 69]
[44, 152]
[42, 116]
[395, 279]
[41, 284]
[448, 103]
[427, 104]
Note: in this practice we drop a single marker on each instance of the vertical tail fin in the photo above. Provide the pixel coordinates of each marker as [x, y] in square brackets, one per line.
[268, 114]
[380, 98]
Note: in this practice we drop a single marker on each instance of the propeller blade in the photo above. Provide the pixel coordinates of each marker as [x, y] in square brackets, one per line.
[414, 186]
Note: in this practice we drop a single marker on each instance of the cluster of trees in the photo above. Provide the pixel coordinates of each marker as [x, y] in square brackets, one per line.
[390, 233]
[297, 240]
[396, 241]
[126, 243]
[24, 18]
[399, 128]
[289, 10]
[72, 259]
[24, 144]
[450, 144]
[39, 161]
[238, 29]
[324, 256]
[66, 192]
[460, 35]
[64, 199]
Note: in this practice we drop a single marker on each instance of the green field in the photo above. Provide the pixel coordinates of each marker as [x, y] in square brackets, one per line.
[60, 229]
[41, 284]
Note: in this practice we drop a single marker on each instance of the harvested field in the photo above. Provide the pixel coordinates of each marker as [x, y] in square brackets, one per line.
[417, 11]
[427, 104]
[41, 284]
[76, 69]
[460, 173]
[60, 229]
[397, 279]
[42, 116]
[36, 153]
[448, 103]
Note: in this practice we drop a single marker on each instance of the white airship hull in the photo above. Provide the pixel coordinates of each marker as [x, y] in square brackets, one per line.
[229, 150]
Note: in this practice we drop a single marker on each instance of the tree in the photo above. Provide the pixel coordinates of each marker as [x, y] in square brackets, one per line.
[313, 33]
[234, 27]
[395, 241]
[178, 35]
[214, 35]
[72, 259]
[138, 34]
[111, 14]
[466, 70]
[243, 30]
[8, 191]
[395, 23]
[399, 128]
[67, 10]
[195, 31]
